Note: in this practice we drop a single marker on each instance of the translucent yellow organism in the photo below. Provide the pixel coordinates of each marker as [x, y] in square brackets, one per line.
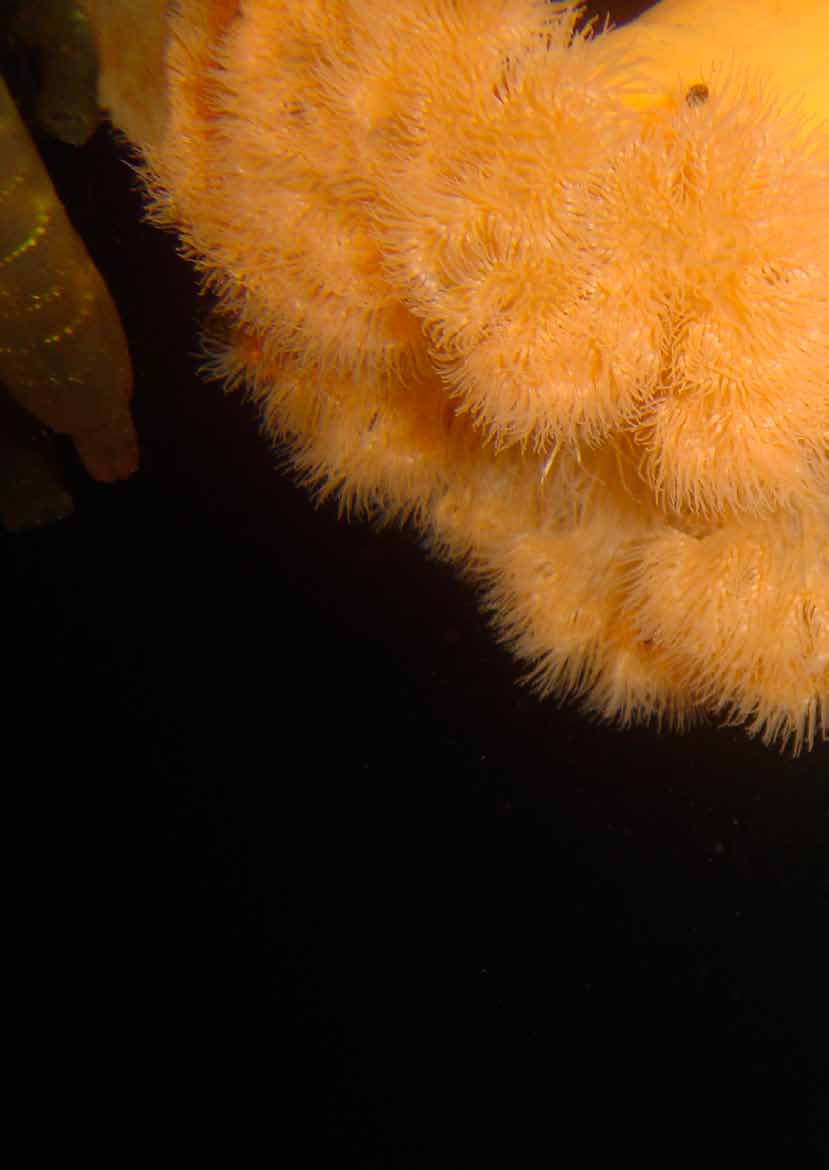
[63, 354]
[561, 298]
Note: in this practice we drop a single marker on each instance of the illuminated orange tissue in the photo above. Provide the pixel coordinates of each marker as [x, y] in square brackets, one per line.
[561, 299]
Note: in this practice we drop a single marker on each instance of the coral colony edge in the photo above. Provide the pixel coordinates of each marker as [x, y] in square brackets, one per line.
[557, 296]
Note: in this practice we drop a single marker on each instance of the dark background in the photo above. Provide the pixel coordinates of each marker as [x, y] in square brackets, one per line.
[296, 856]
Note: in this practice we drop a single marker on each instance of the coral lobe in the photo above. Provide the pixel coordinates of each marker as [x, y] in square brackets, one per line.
[584, 346]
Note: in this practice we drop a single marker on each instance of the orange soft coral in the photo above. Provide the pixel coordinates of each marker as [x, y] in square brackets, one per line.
[565, 307]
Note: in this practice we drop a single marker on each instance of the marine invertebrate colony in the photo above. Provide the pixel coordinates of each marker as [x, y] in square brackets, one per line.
[562, 299]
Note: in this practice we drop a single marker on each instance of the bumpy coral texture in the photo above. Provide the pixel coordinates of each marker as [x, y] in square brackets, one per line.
[584, 348]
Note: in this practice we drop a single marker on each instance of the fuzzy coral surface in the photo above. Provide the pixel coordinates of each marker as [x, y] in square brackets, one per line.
[582, 344]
